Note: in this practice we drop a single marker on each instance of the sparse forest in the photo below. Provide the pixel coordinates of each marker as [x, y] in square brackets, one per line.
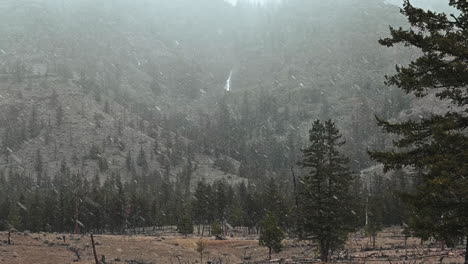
[310, 121]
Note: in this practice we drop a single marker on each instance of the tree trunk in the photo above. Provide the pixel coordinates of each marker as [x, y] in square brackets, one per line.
[324, 251]
[94, 250]
[269, 253]
[373, 241]
[406, 247]
[466, 251]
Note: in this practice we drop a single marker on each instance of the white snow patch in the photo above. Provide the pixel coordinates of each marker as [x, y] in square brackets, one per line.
[227, 87]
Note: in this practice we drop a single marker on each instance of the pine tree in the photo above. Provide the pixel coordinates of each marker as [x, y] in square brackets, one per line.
[4, 213]
[14, 217]
[141, 160]
[325, 199]
[107, 109]
[35, 214]
[23, 212]
[374, 208]
[185, 225]
[129, 162]
[54, 98]
[38, 166]
[273, 202]
[436, 146]
[271, 235]
[220, 200]
[34, 128]
[59, 113]
[103, 164]
[201, 202]
[216, 229]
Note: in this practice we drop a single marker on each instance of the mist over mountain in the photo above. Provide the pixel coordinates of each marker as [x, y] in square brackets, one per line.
[167, 64]
[162, 101]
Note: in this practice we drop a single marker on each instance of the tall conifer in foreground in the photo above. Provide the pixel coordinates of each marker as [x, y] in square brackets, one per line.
[437, 146]
[325, 199]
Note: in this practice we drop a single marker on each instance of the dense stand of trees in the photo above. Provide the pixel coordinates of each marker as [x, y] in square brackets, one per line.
[70, 202]
[261, 130]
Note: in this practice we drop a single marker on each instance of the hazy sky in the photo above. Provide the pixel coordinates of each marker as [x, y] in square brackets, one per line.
[253, 1]
[434, 4]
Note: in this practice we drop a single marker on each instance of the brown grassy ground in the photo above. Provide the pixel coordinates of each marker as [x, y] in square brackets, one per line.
[48, 248]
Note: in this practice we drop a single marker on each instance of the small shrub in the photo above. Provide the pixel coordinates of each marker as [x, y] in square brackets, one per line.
[216, 229]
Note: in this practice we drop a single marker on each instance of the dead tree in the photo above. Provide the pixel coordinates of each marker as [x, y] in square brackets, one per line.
[94, 249]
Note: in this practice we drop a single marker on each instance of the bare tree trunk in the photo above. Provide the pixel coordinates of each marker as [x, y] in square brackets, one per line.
[77, 213]
[324, 251]
[9, 237]
[466, 251]
[296, 200]
[94, 249]
[406, 247]
[269, 253]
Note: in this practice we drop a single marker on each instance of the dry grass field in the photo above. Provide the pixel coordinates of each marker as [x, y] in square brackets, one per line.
[50, 248]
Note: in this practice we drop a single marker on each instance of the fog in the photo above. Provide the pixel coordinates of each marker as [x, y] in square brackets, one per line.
[185, 121]
[234, 2]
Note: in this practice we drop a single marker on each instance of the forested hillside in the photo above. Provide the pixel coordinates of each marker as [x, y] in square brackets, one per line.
[118, 114]
[112, 88]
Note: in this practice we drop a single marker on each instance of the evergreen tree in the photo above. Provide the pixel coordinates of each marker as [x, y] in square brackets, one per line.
[129, 162]
[216, 229]
[185, 225]
[23, 213]
[271, 235]
[107, 109]
[34, 128]
[14, 217]
[103, 164]
[220, 200]
[273, 202]
[141, 160]
[50, 209]
[54, 98]
[35, 214]
[435, 146]
[59, 113]
[374, 209]
[201, 202]
[4, 214]
[326, 200]
[155, 87]
[38, 165]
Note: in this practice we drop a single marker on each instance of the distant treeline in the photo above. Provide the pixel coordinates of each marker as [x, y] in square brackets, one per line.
[71, 202]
